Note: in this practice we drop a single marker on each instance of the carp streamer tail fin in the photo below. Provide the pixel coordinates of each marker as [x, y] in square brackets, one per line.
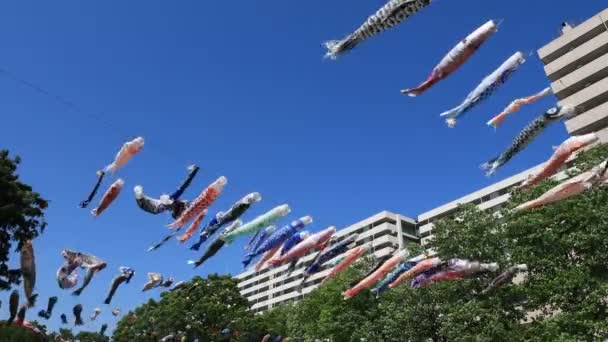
[196, 246]
[413, 92]
[247, 260]
[332, 47]
[86, 202]
[489, 167]
[31, 302]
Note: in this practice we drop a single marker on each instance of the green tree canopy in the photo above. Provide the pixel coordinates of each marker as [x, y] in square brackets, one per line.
[15, 333]
[87, 336]
[21, 215]
[202, 310]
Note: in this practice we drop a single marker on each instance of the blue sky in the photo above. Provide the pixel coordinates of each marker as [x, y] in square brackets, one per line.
[241, 89]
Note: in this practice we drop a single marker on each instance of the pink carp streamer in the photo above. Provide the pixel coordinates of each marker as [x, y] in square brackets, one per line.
[279, 250]
[373, 278]
[127, 151]
[351, 256]
[560, 156]
[193, 227]
[420, 267]
[202, 202]
[267, 256]
[455, 58]
[315, 241]
[569, 188]
[108, 197]
[514, 106]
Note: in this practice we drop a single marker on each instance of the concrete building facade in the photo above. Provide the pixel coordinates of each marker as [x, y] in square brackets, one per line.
[576, 63]
[385, 232]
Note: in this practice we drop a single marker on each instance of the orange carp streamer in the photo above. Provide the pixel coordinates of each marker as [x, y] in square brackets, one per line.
[569, 188]
[560, 156]
[108, 197]
[516, 105]
[193, 227]
[202, 202]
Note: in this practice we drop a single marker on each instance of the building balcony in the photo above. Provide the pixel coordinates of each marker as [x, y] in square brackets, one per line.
[573, 38]
[578, 57]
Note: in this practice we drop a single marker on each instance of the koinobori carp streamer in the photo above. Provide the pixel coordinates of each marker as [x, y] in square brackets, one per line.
[390, 15]
[92, 265]
[514, 106]
[529, 133]
[383, 285]
[216, 245]
[126, 152]
[456, 57]
[28, 272]
[222, 218]
[166, 202]
[486, 88]
[569, 188]
[419, 268]
[277, 238]
[263, 236]
[373, 278]
[455, 269]
[124, 276]
[282, 249]
[253, 241]
[257, 223]
[202, 202]
[154, 280]
[162, 241]
[108, 197]
[349, 258]
[560, 156]
[95, 314]
[77, 311]
[505, 277]
[326, 255]
[13, 306]
[298, 251]
[46, 314]
[193, 227]
[67, 276]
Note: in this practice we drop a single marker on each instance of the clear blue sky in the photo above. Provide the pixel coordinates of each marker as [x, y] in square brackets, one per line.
[241, 89]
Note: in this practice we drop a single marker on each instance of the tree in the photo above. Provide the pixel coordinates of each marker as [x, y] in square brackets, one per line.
[86, 336]
[202, 310]
[324, 313]
[39, 326]
[66, 333]
[15, 333]
[21, 216]
[564, 296]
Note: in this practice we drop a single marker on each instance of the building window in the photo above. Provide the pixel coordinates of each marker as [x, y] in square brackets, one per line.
[408, 228]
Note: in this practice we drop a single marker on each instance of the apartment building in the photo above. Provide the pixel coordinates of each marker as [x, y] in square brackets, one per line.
[385, 232]
[576, 63]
